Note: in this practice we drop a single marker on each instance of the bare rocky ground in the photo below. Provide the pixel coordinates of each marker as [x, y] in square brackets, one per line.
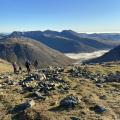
[86, 92]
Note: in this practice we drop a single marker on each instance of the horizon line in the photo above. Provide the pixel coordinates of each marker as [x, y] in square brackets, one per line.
[9, 32]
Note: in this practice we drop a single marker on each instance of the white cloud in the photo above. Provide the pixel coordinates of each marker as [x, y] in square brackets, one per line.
[85, 56]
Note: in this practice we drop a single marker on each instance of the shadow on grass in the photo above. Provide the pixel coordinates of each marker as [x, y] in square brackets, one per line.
[60, 108]
[29, 114]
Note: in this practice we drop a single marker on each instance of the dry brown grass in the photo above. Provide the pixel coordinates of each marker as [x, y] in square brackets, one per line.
[104, 69]
[49, 109]
[5, 66]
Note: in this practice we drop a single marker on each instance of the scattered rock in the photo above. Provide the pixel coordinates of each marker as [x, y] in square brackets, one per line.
[50, 82]
[39, 96]
[98, 109]
[99, 85]
[20, 107]
[40, 76]
[69, 101]
[103, 97]
[74, 118]
[9, 82]
[31, 103]
[97, 78]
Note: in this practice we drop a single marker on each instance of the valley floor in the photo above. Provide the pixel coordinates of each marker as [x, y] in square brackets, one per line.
[38, 96]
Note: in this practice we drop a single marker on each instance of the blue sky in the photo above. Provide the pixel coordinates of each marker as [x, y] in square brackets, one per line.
[79, 15]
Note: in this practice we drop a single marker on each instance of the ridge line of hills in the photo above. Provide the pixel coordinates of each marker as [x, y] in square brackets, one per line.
[46, 45]
[68, 41]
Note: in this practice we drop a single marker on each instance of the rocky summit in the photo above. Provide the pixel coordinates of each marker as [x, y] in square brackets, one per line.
[75, 92]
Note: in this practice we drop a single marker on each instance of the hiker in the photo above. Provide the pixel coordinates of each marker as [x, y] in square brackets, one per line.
[36, 64]
[20, 69]
[27, 65]
[14, 67]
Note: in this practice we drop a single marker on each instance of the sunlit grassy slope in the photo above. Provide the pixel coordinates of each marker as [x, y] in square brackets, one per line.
[5, 66]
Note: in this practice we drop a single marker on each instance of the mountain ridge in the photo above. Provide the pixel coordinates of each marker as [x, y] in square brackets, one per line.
[68, 38]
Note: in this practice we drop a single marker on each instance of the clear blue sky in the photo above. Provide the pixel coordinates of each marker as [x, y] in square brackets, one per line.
[78, 15]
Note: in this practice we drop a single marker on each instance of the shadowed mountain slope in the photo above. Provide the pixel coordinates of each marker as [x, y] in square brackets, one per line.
[66, 41]
[112, 55]
[20, 49]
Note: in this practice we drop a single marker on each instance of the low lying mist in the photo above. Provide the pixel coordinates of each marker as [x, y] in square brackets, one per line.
[86, 56]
